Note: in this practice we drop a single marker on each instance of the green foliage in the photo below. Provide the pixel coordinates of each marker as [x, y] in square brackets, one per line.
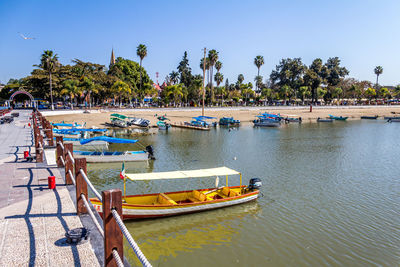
[384, 93]
[218, 78]
[370, 93]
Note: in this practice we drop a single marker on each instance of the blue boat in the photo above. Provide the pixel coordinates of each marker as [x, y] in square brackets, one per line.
[72, 125]
[338, 118]
[114, 156]
[229, 121]
[200, 121]
[266, 120]
[77, 131]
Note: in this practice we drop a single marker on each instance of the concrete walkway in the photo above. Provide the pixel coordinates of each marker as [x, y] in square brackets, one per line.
[34, 219]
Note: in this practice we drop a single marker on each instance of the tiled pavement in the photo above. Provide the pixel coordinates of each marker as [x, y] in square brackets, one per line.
[34, 219]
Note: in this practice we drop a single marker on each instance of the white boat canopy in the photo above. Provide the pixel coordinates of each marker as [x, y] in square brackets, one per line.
[221, 171]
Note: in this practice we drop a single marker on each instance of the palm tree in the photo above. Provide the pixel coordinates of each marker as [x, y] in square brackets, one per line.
[49, 63]
[218, 78]
[258, 61]
[378, 71]
[240, 79]
[141, 52]
[176, 91]
[71, 88]
[218, 65]
[174, 75]
[213, 57]
[258, 80]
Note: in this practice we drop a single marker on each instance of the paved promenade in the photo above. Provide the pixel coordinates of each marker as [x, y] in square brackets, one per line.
[34, 219]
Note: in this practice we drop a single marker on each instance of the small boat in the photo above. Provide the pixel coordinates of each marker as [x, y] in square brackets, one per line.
[77, 131]
[340, 118]
[116, 123]
[228, 121]
[391, 118]
[182, 202]
[369, 117]
[394, 120]
[266, 120]
[162, 123]
[324, 120]
[130, 120]
[292, 118]
[114, 156]
[68, 125]
[140, 122]
[201, 121]
[96, 144]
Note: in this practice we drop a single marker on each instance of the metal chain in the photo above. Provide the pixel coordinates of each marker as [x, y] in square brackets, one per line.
[90, 185]
[131, 242]
[117, 258]
[99, 228]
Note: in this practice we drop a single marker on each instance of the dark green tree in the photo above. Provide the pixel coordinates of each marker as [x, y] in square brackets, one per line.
[141, 52]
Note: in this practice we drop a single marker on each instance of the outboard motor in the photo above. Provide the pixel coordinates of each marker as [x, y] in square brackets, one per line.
[255, 184]
[149, 149]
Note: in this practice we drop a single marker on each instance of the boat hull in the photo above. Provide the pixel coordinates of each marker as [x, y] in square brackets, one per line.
[131, 211]
[267, 124]
[117, 158]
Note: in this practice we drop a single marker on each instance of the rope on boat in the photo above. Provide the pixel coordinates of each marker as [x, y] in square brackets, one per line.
[72, 177]
[117, 258]
[71, 157]
[88, 208]
[131, 242]
[62, 160]
[90, 185]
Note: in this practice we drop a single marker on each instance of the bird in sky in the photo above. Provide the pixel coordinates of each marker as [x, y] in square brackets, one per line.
[26, 38]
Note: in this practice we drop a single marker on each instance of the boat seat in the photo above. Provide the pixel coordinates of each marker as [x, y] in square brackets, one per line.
[197, 196]
[166, 200]
[233, 193]
[225, 191]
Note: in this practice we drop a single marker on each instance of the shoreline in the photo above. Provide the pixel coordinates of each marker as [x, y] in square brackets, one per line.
[246, 115]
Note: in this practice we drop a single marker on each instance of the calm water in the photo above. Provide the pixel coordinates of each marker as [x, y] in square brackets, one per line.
[331, 196]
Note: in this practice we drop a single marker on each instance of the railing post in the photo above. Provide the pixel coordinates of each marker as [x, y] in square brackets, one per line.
[39, 149]
[112, 199]
[59, 151]
[81, 185]
[51, 140]
[68, 162]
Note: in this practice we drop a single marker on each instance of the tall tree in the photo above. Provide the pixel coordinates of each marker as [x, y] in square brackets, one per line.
[314, 76]
[218, 78]
[49, 63]
[240, 79]
[141, 52]
[218, 65]
[334, 75]
[213, 57]
[258, 61]
[378, 71]
[185, 71]
[258, 79]
[289, 72]
[174, 77]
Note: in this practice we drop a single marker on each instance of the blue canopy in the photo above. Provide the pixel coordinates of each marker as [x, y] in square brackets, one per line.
[200, 118]
[66, 124]
[75, 131]
[270, 115]
[108, 140]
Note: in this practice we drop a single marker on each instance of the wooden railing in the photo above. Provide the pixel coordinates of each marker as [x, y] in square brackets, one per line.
[75, 170]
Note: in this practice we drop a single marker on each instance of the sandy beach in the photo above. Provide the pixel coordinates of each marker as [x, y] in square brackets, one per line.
[97, 118]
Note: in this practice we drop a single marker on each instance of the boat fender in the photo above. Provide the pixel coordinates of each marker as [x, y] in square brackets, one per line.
[255, 183]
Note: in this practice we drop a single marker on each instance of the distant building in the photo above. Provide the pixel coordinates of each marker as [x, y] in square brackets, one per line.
[112, 61]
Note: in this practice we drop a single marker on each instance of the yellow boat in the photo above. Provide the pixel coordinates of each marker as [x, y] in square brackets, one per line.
[181, 202]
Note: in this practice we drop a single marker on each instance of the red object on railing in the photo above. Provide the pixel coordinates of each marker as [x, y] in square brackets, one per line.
[26, 154]
[29, 124]
[52, 182]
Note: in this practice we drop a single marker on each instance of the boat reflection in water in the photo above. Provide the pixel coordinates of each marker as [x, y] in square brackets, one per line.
[168, 237]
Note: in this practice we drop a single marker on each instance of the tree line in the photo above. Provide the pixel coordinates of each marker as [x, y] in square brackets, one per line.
[127, 81]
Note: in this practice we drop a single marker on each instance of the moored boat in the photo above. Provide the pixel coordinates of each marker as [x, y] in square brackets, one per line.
[114, 156]
[393, 120]
[369, 117]
[229, 121]
[267, 120]
[324, 120]
[182, 202]
[200, 121]
[338, 118]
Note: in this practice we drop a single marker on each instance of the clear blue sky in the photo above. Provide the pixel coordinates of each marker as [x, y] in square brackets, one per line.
[363, 33]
